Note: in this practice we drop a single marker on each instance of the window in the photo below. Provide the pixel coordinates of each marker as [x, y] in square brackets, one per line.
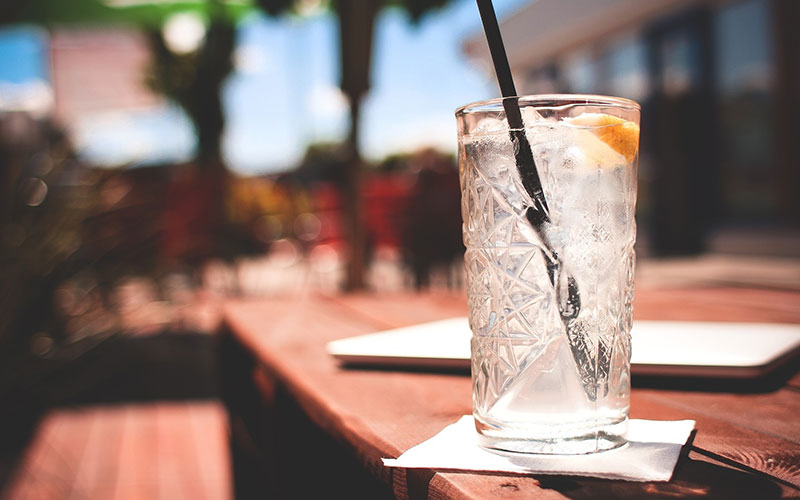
[579, 74]
[626, 69]
[743, 83]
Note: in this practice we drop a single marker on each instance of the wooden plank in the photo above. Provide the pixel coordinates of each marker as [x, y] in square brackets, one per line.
[398, 310]
[771, 455]
[33, 476]
[415, 483]
[695, 476]
[49, 467]
[164, 450]
[718, 304]
[772, 414]
[193, 461]
[178, 474]
[137, 462]
[97, 471]
[23, 485]
[208, 423]
[756, 487]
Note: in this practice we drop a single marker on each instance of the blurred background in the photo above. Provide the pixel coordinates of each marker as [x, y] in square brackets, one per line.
[158, 157]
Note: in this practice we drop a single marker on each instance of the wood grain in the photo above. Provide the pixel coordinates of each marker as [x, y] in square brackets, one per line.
[772, 414]
[156, 451]
[50, 462]
[763, 487]
[718, 304]
[717, 436]
[176, 452]
[97, 472]
[210, 453]
[397, 310]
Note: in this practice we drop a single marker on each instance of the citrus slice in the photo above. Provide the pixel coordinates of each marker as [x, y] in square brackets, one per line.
[621, 135]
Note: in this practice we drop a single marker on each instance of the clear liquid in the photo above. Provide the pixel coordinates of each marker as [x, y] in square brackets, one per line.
[529, 398]
[543, 384]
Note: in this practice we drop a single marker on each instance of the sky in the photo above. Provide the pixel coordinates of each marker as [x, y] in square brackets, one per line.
[283, 93]
[23, 70]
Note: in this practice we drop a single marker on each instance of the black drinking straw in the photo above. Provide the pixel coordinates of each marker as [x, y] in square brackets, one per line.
[566, 288]
[538, 214]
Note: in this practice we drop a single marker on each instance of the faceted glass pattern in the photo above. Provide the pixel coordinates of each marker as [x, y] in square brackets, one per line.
[543, 382]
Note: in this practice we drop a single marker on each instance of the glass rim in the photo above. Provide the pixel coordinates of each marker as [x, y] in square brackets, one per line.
[549, 101]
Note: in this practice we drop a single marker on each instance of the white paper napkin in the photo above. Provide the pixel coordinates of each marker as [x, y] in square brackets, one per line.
[650, 455]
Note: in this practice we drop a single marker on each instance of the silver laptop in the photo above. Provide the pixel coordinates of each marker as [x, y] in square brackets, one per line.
[675, 348]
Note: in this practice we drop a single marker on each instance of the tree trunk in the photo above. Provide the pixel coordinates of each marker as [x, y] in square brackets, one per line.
[194, 81]
[204, 102]
[356, 26]
[353, 207]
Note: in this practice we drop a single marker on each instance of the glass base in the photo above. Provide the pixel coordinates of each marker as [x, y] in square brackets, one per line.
[608, 437]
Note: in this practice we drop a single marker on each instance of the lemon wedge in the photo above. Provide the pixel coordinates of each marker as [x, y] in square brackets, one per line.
[621, 135]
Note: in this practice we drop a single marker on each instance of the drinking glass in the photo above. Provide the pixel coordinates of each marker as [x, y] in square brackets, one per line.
[550, 304]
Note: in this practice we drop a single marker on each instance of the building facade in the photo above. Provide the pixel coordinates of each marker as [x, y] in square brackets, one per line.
[719, 84]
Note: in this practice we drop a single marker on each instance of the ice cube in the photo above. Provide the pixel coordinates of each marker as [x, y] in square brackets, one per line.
[530, 116]
[490, 126]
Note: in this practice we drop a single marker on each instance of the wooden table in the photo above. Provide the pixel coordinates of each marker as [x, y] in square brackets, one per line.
[304, 427]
